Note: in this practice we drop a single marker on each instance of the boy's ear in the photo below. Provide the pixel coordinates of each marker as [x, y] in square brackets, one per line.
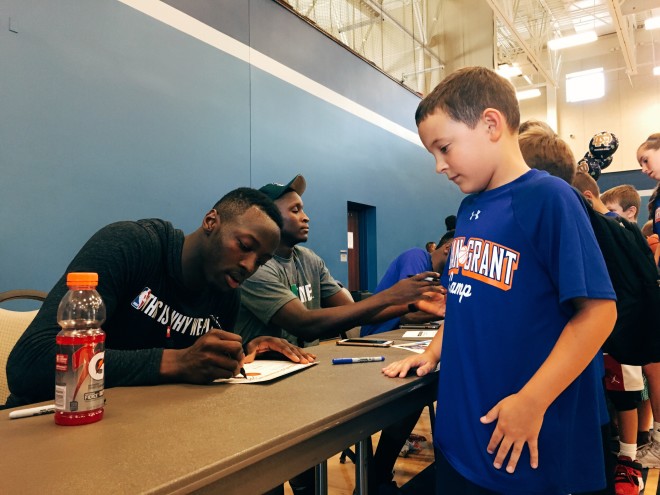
[495, 123]
[588, 194]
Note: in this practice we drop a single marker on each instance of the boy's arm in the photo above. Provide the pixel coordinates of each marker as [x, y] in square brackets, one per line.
[424, 362]
[520, 416]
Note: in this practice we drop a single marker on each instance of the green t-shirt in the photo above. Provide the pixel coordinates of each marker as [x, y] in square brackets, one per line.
[276, 283]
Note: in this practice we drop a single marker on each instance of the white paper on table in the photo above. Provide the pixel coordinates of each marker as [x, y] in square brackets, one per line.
[263, 370]
[419, 334]
[417, 347]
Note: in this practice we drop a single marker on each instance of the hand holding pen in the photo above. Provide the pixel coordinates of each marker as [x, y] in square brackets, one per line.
[216, 354]
[219, 327]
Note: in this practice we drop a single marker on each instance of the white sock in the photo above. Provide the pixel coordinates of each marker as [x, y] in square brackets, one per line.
[655, 433]
[628, 450]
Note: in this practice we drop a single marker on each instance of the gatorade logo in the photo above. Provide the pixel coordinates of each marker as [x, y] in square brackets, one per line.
[95, 366]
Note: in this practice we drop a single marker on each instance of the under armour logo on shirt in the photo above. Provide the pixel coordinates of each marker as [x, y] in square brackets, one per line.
[475, 215]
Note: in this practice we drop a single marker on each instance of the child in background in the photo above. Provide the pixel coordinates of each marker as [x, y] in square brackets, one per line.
[586, 184]
[654, 214]
[624, 383]
[520, 395]
[542, 149]
[623, 200]
[648, 157]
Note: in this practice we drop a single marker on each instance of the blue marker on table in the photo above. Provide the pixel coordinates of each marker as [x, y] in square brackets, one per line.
[358, 360]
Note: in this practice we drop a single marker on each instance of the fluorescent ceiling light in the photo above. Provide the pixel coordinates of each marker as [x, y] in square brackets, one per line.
[508, 71]
[574, 40]
[652, 23]
[528, 93]
[585, 85]
[656, 70]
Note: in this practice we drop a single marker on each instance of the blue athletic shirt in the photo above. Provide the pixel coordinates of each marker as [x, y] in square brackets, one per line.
[521, 253]
[408, 263]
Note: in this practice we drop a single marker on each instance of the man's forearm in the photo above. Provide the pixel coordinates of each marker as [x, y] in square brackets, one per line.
[311, 324]
[131, 368]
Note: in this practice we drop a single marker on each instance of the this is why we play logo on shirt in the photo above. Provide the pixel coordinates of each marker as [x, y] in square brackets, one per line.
[149, 304]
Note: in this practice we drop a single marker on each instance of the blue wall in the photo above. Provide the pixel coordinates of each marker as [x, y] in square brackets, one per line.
[108, 114]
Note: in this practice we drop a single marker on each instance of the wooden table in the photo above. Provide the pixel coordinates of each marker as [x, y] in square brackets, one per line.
[223, 439]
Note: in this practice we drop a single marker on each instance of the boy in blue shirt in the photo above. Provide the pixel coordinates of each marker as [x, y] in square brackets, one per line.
[529, 304]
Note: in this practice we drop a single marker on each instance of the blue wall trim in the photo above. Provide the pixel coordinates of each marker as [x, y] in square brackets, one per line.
[635, 178]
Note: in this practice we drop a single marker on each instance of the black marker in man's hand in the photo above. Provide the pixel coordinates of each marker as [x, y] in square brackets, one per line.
[219, 327]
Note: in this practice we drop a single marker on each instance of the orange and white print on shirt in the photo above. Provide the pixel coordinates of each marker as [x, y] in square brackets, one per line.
[482, 260]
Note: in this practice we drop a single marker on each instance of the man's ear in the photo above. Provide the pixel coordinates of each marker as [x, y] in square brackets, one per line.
[494, 122]
[211, 221]
[633, 209]
[588, 194]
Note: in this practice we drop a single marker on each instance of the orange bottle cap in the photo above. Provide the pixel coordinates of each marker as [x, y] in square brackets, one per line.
[82, 278]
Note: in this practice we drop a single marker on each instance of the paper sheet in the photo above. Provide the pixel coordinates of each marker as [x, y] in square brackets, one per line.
[263, 370]
[417, 347]
[419, 334]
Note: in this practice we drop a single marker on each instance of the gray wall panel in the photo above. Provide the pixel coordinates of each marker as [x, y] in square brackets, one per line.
[276, 32]
[227, 16]
[281, 35]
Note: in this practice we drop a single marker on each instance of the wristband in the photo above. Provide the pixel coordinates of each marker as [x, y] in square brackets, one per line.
[412, 308]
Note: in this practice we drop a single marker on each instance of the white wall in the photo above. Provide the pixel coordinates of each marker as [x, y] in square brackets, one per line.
[629, 109]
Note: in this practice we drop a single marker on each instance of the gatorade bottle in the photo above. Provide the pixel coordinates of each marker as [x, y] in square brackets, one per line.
[80, 351]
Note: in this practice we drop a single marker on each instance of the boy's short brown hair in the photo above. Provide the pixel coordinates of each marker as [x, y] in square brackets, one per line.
[625, 194]
[585, 182]
[467, 92]
[544, 150]
[528, 124]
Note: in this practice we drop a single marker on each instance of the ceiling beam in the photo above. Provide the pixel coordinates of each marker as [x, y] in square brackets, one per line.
[624, 35]
[531, 54]
[384, 13]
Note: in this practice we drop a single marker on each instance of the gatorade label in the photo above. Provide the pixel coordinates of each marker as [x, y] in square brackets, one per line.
[79, 372]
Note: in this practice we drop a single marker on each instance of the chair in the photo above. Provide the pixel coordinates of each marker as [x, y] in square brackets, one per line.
[12, 326]
[355, 331]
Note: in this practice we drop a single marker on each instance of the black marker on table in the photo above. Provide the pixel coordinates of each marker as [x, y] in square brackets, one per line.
[219, 327]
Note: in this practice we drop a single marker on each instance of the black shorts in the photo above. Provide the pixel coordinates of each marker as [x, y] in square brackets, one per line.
[624, 401]
[449, 481]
